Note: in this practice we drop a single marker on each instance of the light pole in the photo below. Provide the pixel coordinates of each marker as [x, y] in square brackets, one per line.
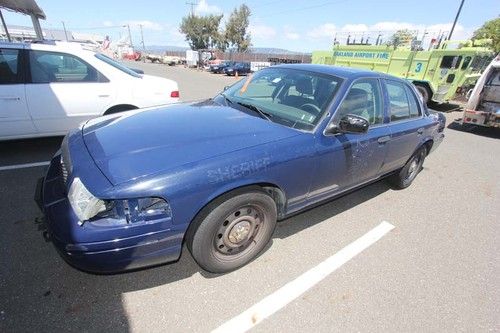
[142, 39]
[456, 19]
[65, 32]
[129, 35]
[5, 27]
[143, 46]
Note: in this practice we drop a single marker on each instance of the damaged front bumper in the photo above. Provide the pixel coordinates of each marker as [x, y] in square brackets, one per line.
[96, 247]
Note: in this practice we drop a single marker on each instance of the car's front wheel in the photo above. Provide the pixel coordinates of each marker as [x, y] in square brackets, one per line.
[234, 231]
[409, 172]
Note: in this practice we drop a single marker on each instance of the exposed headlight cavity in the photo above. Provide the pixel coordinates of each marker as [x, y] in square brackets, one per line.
[129, 211]
[115, 212]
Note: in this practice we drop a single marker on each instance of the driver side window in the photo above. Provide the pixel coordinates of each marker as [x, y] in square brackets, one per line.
[363, 99]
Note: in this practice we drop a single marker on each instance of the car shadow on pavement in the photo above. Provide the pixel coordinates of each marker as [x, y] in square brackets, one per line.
[444, 107]
[40, 292]
[329, 209]
[488, 132]
[28, 150]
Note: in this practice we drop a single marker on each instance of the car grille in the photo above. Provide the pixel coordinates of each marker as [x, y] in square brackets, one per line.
[66, 167]
[64, 171]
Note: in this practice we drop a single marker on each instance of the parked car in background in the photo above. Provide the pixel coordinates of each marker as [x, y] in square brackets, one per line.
[127, 190]
[48, 89]
[219, 68]
[238, 68]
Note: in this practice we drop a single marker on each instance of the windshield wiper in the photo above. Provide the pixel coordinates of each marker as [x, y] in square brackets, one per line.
[252, 107]
[228, 101]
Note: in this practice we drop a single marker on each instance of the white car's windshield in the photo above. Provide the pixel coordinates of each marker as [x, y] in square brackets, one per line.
[291, 97]
[116, 64]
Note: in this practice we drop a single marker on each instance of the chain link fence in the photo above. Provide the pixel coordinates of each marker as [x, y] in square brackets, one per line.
[274, 57]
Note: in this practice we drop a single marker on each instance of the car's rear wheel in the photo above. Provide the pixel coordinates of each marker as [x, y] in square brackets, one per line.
[234, 231]
[409, 172]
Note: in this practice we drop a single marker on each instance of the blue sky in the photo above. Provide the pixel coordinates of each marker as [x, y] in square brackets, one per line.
[291, 24]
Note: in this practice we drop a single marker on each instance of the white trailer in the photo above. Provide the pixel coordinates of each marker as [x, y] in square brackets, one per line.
[192, 58]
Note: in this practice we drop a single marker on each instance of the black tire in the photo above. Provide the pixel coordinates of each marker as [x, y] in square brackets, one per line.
[409, 172]
[424, 93]
[233, 232]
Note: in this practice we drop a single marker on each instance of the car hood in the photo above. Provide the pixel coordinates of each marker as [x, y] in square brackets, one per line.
[139, 143]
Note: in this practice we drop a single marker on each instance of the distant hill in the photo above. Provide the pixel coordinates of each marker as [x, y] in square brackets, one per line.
[262, 50]
[271, 50]
[163, 48]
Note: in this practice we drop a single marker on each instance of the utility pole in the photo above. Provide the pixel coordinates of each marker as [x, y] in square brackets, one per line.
[456, 19]
[143, 46]
[192, 4]
[65, 32]
[142, 39]
[129, 35]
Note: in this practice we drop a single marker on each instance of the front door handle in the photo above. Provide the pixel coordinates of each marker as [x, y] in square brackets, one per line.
[384, 139]
[9, 98]
[420, 131]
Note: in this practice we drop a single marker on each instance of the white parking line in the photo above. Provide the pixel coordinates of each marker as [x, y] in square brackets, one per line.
[23, 166]
[280, 298]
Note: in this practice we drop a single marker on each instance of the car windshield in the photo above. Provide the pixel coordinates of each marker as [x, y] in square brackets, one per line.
[116, 65]
[291, 97]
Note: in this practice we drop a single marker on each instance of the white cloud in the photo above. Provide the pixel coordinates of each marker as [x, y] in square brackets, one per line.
[354, 27]
[261, 32]
[107, 23]
[174, 35]
[146, 25]
[326, 30]
[203, 8]
[393, 26]
[290, 33]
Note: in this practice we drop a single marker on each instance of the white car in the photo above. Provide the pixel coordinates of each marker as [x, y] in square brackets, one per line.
[48, 89]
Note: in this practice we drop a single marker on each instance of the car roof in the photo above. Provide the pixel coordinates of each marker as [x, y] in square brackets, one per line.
[47, 45]
[343, 72]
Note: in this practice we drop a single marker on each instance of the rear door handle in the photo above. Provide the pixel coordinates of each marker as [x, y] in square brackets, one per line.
[420, 131]
[384, 139]
[8, 98]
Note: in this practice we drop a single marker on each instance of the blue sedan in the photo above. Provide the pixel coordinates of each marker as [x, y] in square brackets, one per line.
[128, 190]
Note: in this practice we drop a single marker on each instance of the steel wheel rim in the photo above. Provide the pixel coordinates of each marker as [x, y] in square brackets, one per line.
[238, 232]
[414, 167]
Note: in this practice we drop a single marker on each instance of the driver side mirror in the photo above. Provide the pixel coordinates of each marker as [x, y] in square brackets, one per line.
[349, 123]
[225, 88]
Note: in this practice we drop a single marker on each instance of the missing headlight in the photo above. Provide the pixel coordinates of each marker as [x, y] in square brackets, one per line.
[122, 212]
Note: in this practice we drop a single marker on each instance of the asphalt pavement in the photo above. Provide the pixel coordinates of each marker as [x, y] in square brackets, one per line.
[437, 270]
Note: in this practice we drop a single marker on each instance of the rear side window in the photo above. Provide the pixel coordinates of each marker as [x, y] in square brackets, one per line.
[47, 67]
[403, 102]
[451, 62]
[413, 102]
[9, 66]
[117, 65]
